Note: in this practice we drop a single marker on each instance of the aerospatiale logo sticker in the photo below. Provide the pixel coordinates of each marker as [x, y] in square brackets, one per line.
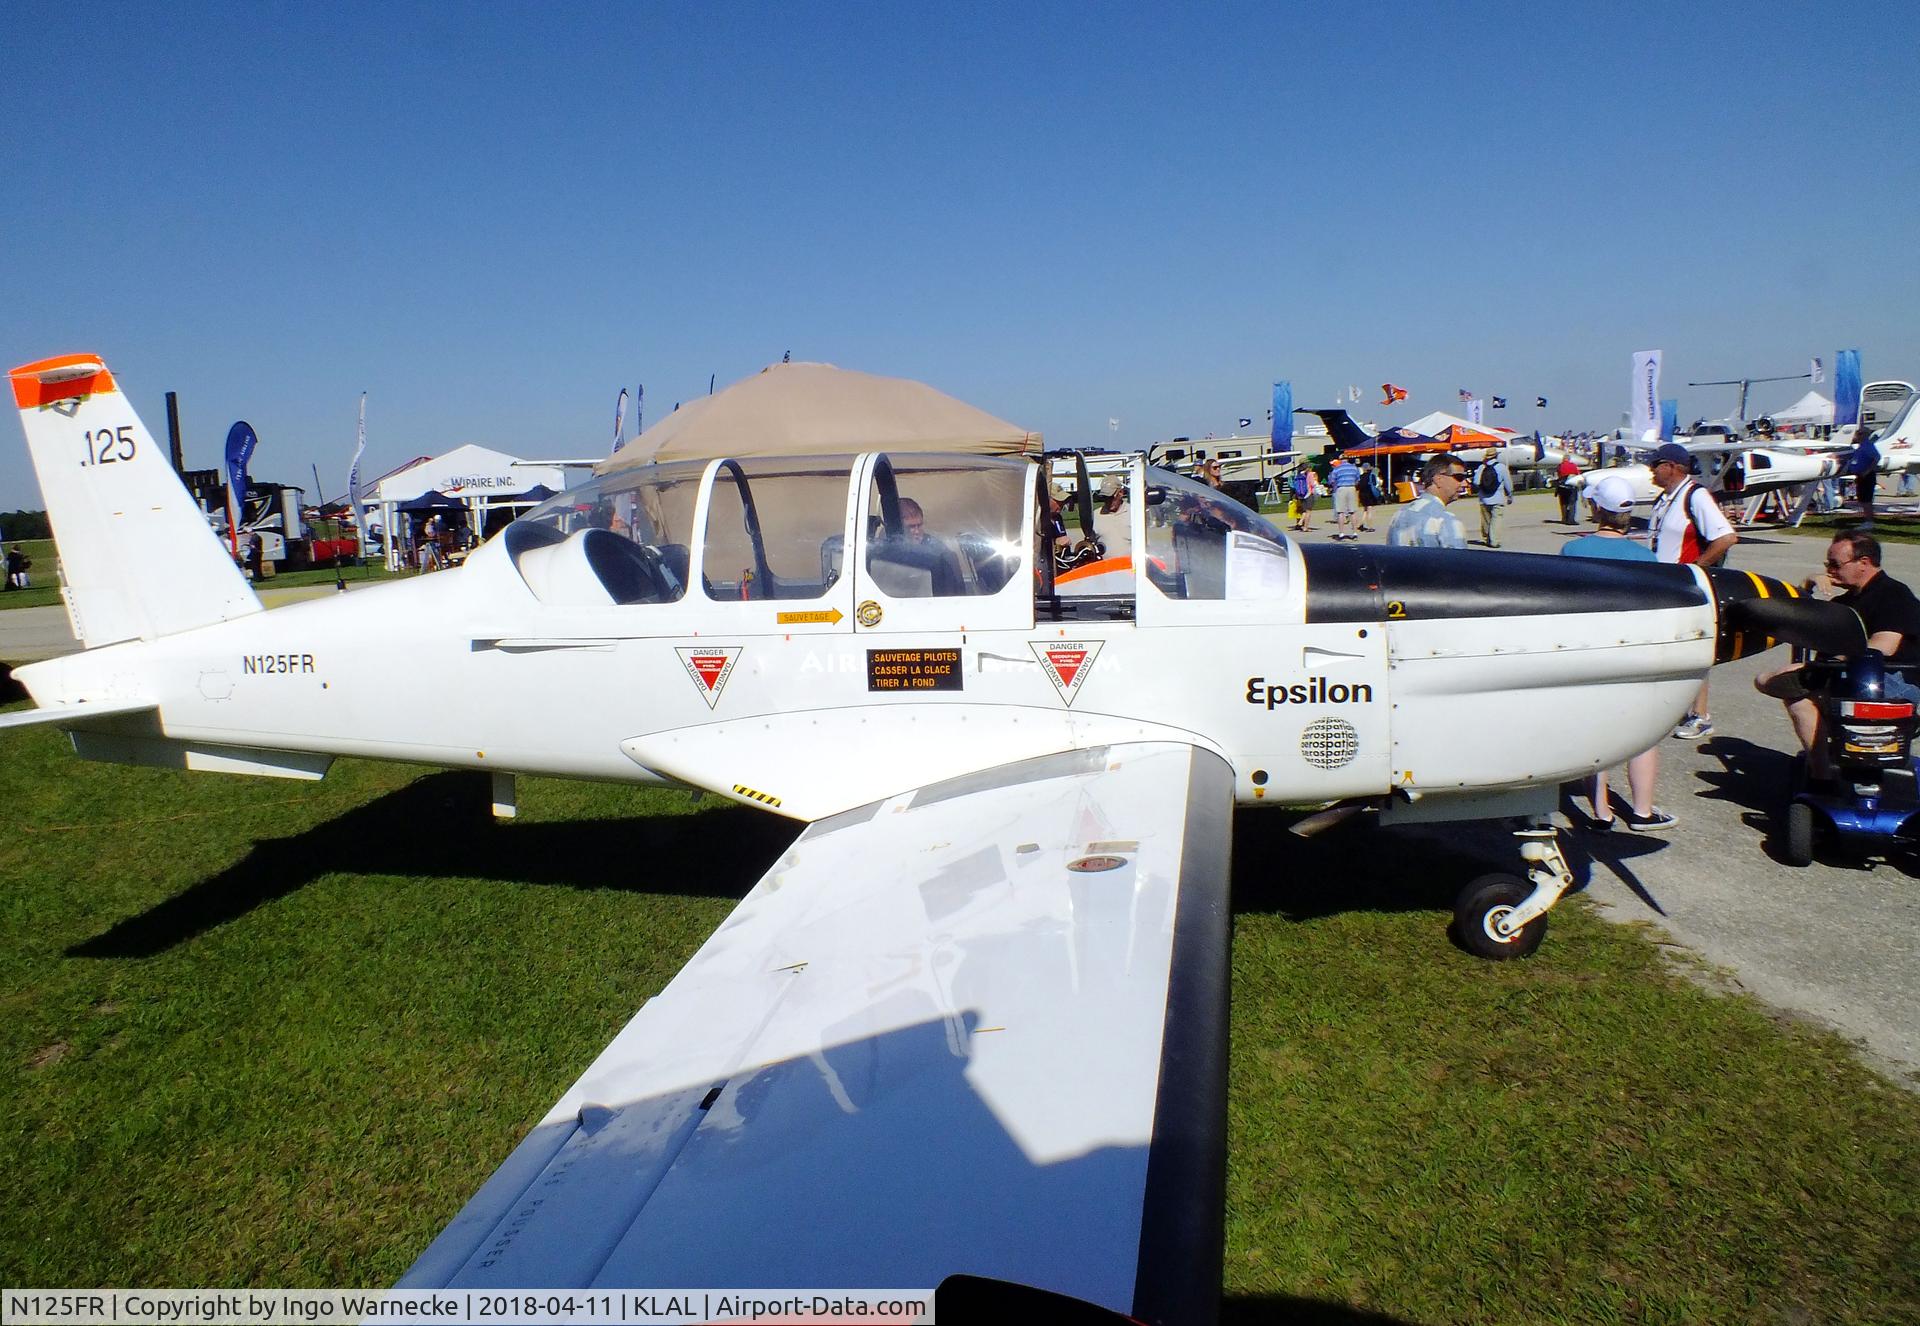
[710, 667]
[1066, 663]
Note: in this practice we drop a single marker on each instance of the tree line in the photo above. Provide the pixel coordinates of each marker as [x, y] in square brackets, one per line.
[24, 525]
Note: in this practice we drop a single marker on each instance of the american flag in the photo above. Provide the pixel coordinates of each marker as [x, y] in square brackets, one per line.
[1465, 395]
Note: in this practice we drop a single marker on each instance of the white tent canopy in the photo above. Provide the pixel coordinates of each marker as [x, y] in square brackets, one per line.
[1811, 410]
[817, 409]
[1431, 424]
[470, 471]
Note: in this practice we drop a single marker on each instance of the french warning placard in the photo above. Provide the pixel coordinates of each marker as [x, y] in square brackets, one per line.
[913, 670]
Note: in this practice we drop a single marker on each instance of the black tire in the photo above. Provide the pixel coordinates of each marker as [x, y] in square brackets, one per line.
[1801, 823]
[1484, 901]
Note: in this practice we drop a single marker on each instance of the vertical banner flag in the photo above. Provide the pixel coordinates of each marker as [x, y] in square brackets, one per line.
[639, 409]
[241, 441]
[1473, 411]
[353, 479]
[1846, 388]
[1669, 418]
[1353, 394]
[1819, 373]
[619, 423]
[1645, 411]
[1282, 439]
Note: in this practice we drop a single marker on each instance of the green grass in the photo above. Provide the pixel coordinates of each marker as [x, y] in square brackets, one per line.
[268, 1033]
[45, 582]
[1902, 528]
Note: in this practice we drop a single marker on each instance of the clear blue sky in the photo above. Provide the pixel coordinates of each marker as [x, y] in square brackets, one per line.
[492, 216]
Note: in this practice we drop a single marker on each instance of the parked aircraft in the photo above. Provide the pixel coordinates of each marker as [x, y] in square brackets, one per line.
[1731, 470]
[1461, 439]
[975, 1020]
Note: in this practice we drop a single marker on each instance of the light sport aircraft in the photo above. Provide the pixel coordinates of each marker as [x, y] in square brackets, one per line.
[1731, 470]
[974, 1021]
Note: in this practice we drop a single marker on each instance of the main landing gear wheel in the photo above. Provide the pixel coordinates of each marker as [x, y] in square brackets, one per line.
[1479, 918]
[1800, 829]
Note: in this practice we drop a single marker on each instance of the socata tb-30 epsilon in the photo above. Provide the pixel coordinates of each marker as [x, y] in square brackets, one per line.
[974, 1021]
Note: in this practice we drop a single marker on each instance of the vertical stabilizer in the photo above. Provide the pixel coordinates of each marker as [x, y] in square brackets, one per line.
[137, 557]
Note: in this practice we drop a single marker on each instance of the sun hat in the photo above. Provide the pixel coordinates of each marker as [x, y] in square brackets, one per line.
[1612, 493]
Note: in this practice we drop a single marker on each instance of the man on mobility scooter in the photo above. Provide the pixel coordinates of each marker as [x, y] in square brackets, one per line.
[1852, 706]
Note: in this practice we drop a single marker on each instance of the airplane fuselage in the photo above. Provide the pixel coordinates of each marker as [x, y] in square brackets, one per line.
[1356, 673]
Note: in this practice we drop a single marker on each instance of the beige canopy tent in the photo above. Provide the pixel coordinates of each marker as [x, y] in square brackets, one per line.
[817, 409]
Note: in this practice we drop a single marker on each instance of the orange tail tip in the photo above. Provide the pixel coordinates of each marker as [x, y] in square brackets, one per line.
[64, 377]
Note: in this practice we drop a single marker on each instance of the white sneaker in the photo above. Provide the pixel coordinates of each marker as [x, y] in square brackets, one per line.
[1693, 727]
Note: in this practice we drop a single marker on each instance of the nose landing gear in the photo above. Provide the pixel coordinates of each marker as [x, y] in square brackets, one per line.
[1501, 916]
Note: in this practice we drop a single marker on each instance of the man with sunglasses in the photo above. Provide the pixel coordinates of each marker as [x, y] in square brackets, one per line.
[1426, 522]
[1889, 611]
[1688, 526]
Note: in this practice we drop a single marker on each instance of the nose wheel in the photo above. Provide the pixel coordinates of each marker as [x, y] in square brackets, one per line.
[1500, 916]
[1483, 919]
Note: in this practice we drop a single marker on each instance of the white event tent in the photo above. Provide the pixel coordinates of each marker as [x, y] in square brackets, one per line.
[477, 476]
[1811, 411]
[1431, 424]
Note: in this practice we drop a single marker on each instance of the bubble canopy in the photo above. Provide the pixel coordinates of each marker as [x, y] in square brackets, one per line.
[925, 525]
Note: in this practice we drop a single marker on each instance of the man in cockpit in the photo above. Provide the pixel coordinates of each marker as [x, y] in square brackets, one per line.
[913, 522]
[944, 563]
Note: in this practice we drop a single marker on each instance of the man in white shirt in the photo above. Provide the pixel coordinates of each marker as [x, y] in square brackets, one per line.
[1688, 526]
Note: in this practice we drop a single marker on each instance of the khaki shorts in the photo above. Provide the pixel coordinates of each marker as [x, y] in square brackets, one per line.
[1346, 499]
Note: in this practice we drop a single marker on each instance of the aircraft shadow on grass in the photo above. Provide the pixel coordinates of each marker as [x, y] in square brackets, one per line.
[439, 825]
[1413, 868]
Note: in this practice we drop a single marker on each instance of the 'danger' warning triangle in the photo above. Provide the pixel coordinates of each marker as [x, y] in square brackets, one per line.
[1066, 663]
[710, 667]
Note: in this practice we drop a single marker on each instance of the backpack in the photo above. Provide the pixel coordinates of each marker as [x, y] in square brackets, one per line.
[1487, 483]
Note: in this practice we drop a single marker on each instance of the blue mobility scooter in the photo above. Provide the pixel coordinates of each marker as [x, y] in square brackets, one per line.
[1871, 807]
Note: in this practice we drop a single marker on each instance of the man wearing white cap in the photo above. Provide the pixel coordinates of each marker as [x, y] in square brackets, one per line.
[1612, 500]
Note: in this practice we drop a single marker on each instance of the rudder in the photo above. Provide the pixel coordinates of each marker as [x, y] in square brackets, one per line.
[137, 557]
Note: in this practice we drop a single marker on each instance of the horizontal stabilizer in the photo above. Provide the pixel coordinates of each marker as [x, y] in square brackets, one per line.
[76, 715]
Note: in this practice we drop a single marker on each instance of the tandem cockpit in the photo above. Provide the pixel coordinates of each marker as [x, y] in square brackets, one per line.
[910, 541]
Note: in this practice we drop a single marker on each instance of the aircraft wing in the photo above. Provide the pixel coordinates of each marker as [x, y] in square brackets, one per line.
[979, 1028]
[76, 715]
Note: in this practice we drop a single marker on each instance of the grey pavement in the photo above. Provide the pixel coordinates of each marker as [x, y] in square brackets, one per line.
[1837, 944]
[28, 635]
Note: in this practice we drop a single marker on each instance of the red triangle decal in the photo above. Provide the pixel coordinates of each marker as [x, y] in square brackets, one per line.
[709, 666]
[1066, 662]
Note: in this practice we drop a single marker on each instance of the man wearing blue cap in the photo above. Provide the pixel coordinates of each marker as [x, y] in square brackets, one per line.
[1688, 527]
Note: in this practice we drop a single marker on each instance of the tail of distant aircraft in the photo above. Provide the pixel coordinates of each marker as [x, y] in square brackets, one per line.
[1346, 434]
[137, 557]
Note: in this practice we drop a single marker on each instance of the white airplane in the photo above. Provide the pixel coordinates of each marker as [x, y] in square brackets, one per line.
[974, 1022]
[1729, 470]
